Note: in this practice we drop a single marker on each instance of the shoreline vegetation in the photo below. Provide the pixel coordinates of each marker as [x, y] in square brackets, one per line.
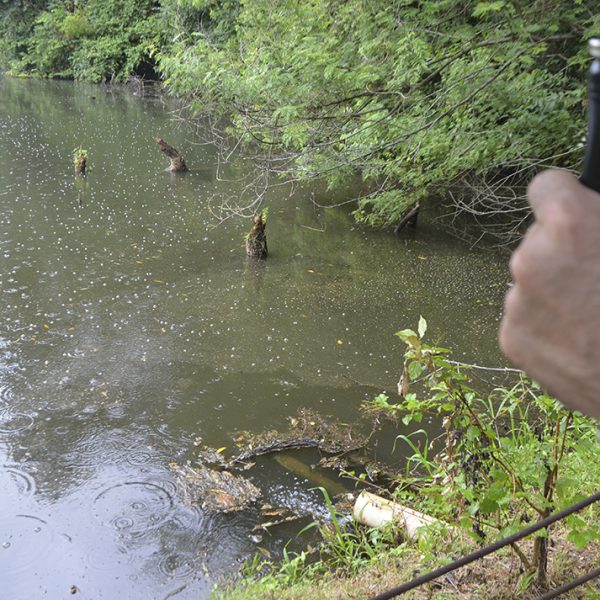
[503, 460]
[456, 104]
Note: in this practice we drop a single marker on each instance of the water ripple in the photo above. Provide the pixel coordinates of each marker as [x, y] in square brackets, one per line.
[14, 481]
[6, 393]
[134, 508]
[139, 457]
[15, 422]
[178, 566]
[23, 539]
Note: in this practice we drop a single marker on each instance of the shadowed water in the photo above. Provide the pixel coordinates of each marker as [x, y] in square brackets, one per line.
[131, 326]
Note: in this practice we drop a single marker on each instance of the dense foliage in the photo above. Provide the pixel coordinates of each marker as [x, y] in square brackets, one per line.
[453, 99]
[508, 457]
[423, 99]
[92, 40]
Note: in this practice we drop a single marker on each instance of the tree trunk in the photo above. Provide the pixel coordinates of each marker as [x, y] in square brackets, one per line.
[408, 218]
[177, 164]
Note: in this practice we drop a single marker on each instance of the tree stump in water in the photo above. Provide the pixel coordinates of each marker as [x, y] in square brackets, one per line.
[80, 161]
[256, 240]
[177, 163]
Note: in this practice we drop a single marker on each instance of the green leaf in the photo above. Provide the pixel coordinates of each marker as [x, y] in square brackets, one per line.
[496, 492]
[488, 506]
[473, 433]
[408, 336]
[578, 538]
[422, 327]
[483, 8]
[415, 370]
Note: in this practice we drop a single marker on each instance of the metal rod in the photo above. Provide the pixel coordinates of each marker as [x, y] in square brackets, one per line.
[469, 558]
[590, 176]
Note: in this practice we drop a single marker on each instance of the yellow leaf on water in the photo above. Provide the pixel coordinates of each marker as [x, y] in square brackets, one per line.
[163, 330]
[71, 328]
[422, 257]
[221, 449]
[311, 270]
[46, 326]
[340, 342]
[139, 262]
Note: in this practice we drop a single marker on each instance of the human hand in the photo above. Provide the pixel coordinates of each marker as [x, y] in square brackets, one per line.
[551, 323]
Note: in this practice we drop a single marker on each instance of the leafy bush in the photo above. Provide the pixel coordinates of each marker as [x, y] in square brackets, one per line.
[507, 458]
[76, 26]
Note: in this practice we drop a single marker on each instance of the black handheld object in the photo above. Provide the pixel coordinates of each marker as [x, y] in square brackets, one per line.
[590, 176]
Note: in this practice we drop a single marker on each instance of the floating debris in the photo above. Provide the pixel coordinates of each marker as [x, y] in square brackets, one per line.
[276, 516]
[307, 430]
[213, 490]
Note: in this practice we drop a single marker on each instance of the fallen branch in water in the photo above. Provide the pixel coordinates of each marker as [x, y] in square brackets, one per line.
[307, 430]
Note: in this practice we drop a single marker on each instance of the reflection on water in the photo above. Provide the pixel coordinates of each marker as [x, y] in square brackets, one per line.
[131, 326]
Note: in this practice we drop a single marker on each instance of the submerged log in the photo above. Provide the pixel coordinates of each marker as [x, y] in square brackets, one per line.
[177, 164]
[256, 240]
[375, 511]
[313, 476]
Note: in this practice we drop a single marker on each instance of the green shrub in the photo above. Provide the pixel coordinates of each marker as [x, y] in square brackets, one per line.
[508, 457]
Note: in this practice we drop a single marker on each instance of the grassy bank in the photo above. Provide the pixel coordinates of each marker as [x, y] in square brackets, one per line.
[494, 578]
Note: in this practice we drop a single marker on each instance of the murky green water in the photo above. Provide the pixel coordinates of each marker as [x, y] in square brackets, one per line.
[131, 326]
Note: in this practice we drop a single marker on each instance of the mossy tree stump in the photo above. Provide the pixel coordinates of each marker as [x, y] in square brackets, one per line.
[256, 240]
[80, 161]
[177, 164]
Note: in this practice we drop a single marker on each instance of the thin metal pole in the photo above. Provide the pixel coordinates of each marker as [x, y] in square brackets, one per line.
[469, 558]
[570, 586]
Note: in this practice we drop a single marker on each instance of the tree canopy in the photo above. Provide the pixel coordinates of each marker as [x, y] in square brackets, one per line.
[455, 100]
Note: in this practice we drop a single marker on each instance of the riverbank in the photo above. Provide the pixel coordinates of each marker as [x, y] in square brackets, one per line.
[505, 460]
[496, 577]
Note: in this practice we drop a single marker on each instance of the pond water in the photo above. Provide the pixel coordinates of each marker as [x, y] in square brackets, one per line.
[132, 326]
